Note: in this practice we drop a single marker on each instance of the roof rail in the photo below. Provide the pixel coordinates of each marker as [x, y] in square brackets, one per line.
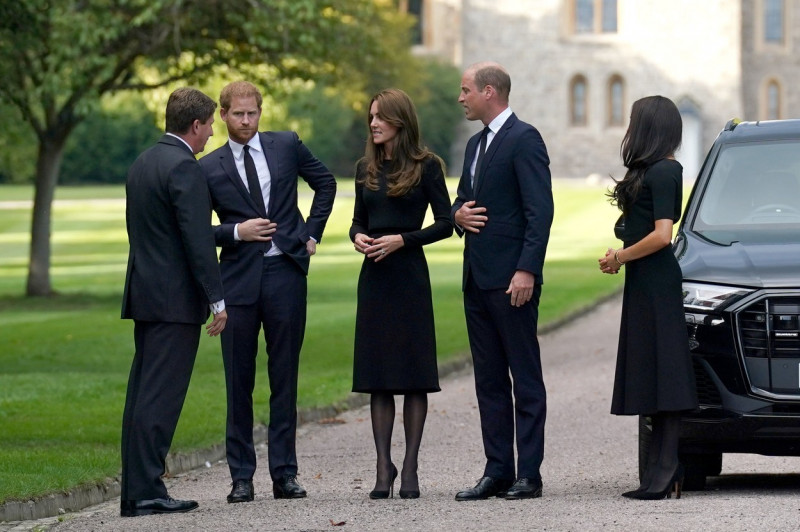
[732, 123]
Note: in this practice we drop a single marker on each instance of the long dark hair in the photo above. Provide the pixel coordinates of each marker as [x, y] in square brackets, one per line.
[405, 170]
[654, 133]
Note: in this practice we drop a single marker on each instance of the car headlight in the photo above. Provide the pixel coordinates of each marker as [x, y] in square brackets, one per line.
[709, 297]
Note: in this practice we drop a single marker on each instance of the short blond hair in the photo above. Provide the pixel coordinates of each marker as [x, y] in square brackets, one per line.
[238, 89]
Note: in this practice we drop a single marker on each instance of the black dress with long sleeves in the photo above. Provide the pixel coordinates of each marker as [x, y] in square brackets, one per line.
[395, 341]
[654, 367]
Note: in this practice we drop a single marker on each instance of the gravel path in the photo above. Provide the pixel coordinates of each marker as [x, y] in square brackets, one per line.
[590, 458]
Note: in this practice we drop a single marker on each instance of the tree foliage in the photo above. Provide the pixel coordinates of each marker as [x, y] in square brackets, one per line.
[69, 53]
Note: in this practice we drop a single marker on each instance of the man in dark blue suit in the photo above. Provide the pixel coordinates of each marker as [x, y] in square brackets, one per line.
[504, 210]
[171, 286]
[266, 249]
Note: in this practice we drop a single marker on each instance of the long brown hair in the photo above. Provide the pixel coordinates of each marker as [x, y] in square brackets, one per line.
[653, 134]
[405, 167]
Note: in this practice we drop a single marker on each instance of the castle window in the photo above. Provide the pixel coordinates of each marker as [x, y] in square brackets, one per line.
[594, 16]
[616, 101]
[773, 21]
[772, 101]
[416, 9]
[578, 101]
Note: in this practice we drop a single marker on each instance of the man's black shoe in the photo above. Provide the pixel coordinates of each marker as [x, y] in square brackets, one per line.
[242, 491]
[288, 488]
[155, 506]
[485, 488]
[524, 488]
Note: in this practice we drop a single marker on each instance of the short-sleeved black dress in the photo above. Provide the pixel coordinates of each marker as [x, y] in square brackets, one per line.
[654, 368]
[395, 341]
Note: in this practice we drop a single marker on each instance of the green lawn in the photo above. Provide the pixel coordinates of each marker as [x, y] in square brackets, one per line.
[64, 361]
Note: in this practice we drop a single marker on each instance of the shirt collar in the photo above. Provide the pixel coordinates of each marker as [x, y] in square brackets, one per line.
[181, 139]
[238, 149]
[499, 120]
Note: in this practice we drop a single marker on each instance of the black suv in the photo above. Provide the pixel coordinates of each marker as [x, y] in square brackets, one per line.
[738, 246]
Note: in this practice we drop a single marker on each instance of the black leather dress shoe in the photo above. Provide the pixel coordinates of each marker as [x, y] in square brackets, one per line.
[524, 488]
[242, 491]
[155, 506]
[485, 488]
[288, 488]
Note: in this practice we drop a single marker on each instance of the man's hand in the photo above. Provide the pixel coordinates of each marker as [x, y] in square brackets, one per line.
[471, 218]
[256, 230]
[218, 323]
[311, 246]
[521, 288]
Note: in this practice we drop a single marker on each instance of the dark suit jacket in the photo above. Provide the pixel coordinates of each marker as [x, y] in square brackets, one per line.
[514, 186]
[173, 273]
[287, 158]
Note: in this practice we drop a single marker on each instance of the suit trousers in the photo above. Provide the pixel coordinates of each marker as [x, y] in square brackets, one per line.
[503, 338]
[281, 311]
[159, 379]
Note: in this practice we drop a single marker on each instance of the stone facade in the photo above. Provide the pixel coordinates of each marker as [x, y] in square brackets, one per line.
[708, 56]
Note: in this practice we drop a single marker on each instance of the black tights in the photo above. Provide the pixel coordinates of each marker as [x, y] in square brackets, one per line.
[662, 460]
[415, 410]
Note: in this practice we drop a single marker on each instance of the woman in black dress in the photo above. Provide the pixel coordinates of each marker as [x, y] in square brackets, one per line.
[395, 343]
[654, 375]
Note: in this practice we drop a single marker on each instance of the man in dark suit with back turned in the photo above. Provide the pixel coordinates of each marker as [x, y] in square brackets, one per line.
[504, 210]
[172, 284]
[266, 249]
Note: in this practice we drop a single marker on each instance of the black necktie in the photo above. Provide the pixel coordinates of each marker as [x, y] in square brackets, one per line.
[481, 151]
[252, 181]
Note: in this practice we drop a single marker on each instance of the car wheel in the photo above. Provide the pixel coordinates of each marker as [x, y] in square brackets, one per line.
[698, 466]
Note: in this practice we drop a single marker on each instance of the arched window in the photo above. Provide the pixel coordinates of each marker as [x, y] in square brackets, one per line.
[616, 101]
[578, 98]
[772, 100]
[773, 16]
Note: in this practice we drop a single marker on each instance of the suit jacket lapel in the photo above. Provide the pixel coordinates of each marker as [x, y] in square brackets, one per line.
[469, 155]
[492, 149]
[229, 165]
[272, 163]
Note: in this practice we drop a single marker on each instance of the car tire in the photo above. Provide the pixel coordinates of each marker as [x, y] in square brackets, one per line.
[697, 466]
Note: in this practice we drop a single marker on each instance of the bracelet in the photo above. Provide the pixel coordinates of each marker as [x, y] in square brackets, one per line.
[616, 258]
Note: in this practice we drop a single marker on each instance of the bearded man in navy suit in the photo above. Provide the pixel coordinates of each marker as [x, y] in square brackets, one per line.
[503, 210]
[266, 249]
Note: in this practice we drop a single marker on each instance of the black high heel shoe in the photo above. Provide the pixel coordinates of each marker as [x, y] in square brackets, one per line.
[409, 494]
[385, 494]
[675, 485]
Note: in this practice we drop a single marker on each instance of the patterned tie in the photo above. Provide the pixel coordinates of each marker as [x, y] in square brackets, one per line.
[481, 151]
[252, 181]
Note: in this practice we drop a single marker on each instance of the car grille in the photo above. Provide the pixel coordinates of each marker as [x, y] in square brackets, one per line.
[707, 393]
[770, 328]
[769, 334]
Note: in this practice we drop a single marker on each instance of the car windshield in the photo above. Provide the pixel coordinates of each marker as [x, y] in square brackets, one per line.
[753, 194]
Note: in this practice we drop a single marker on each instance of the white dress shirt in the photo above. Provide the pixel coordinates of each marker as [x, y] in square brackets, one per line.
[494, 127]
[264, 178]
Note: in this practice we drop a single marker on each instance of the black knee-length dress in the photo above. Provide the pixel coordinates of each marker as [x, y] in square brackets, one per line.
[654, 368]
[395, 341]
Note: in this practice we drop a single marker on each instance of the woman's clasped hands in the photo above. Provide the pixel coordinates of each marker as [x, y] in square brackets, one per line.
[377, 248]
[608, 263]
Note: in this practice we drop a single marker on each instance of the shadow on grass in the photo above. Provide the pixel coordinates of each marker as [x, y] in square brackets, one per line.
[59, 302]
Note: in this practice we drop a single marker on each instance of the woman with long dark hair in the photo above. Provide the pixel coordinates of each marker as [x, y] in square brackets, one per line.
[654, 375]
[395, 343]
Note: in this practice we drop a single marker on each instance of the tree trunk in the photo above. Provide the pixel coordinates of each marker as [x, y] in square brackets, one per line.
[48, 165]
